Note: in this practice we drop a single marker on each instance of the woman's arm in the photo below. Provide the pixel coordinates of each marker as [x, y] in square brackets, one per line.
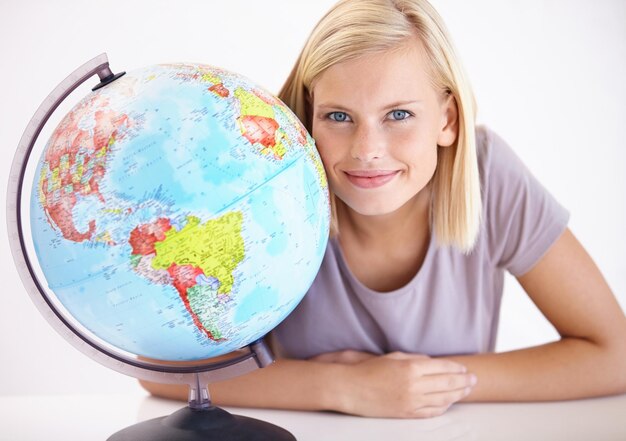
[285, 384]
[588, 360]
[392, 385]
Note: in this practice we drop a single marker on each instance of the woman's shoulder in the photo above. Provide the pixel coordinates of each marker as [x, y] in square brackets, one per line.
[520, 217]
[491, 147]
[497, 161]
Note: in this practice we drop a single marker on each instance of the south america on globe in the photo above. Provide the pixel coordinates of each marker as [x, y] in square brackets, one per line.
[180, 212]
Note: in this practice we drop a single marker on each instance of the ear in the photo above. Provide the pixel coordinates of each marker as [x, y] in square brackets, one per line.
[449, 122]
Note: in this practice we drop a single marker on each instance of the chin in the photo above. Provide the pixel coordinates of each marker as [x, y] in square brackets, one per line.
[374, 208]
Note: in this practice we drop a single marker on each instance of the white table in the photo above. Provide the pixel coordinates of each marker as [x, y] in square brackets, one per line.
[95, 417]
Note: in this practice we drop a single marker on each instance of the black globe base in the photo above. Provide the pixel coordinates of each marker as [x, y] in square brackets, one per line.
[202, 425]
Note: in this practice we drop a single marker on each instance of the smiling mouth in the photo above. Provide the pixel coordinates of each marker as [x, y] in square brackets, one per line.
[370, 178]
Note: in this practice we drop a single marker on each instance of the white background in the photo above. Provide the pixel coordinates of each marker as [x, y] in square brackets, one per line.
[549, 77]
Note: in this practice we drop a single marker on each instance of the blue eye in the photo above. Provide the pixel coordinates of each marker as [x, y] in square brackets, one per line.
[338, 116]
[399, 115]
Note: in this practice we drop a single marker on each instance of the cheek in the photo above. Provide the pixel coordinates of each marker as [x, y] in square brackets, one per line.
[419, 152]
[325, 146]
[425, 164]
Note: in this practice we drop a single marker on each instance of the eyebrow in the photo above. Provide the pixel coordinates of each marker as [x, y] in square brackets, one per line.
[393, 105]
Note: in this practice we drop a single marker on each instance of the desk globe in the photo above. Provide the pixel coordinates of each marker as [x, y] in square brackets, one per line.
[178, 212]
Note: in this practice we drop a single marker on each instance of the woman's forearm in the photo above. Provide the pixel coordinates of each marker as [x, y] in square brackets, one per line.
[568, 369]
[286, 384]
[392, 385]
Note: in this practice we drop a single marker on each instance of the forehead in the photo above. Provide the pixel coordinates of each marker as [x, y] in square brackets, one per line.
[376, 78]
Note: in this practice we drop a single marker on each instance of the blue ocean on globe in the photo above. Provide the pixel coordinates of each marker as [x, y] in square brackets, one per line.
[179, 213]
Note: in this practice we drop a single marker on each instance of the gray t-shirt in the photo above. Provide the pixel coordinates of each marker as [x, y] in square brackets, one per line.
[451, 306]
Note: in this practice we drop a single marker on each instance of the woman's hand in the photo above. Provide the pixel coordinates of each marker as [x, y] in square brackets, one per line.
[398, 384]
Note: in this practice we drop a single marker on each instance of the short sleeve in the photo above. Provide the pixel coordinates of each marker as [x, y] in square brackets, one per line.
[522, 219]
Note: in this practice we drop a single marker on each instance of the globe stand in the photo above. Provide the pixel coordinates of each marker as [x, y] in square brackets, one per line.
[213, 423]
[200, 420]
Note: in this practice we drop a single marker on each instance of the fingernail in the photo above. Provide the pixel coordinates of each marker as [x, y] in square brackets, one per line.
[473, 379]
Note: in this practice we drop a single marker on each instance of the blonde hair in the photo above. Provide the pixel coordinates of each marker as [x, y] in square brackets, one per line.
[353, 28]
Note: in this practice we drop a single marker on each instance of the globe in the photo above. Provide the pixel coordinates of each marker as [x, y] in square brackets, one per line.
[178, 213]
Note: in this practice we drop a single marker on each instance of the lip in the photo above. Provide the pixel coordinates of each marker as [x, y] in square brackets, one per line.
[370, 178]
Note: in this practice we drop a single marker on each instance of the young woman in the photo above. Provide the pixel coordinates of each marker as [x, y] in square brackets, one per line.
[428, 212]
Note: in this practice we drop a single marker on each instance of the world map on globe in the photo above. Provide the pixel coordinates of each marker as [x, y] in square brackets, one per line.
[180, 212]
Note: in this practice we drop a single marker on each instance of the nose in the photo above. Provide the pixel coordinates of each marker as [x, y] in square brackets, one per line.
[368, 142]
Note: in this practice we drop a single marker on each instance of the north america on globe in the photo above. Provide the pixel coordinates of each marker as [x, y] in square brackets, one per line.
[180, 212]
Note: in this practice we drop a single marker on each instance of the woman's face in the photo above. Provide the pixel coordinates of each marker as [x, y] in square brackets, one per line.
[377, 121]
